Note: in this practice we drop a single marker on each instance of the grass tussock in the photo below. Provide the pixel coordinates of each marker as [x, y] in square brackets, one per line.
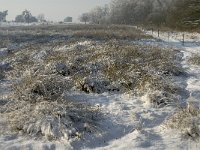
[109, 67]
[195, 59]
[39, 109]
[33, 88]
[4, 43]
[131, 67]
[53, 120]
[2, 75]
[186, 120]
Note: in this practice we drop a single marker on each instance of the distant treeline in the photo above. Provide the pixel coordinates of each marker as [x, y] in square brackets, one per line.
[179, 14]
[25, 17]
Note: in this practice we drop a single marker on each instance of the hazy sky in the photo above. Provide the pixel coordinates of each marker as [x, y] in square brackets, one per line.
[55, 10]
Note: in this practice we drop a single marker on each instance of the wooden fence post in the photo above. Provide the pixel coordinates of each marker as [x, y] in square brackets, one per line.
[183, 39]
[158, 33]
[168, 36]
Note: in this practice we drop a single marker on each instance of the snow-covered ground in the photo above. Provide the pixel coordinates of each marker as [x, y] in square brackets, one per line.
[190, 46]
[130, 123]
[19, 24]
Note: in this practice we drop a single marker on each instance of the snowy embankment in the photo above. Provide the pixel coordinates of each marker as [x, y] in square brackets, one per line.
[130, 122]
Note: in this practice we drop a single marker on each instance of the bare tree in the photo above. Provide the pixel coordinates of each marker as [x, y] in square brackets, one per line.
[3, 15]
[185, 14]
[139, 11]
[174, 13]
[99, 15]
[85, 17]
[41, 18]
[26, 17]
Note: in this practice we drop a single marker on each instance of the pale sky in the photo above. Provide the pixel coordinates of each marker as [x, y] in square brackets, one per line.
[55, 10]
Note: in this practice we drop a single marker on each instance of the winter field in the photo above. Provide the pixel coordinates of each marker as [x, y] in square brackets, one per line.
[98, 87]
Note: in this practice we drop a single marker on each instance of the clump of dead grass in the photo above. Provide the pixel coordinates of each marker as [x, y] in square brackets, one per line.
[110, 33]
[39, 109]
[103, 32]
[4, 43]
[125, 66]
[186, 120]
[195, 59]
[2, 75]
[52, 120]
[30, 88]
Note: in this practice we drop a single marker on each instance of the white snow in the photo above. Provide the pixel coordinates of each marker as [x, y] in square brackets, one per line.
[130, 122]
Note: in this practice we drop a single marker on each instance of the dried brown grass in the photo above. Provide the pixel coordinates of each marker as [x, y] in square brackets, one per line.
[195, 59]
[186, 120]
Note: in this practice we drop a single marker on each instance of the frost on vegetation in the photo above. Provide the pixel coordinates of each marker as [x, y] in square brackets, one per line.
[118, 67]
[39, 109]
[195, 59]
[159, 99]
[2, 75]
[114, 66]
[111, 66]
[58, 68]
[95, 85]
[4, 67]
[41, 55]
[42, 76]
[79, 46]
[187, 121]
[35, 88]
[53, 120]
[110, 32]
